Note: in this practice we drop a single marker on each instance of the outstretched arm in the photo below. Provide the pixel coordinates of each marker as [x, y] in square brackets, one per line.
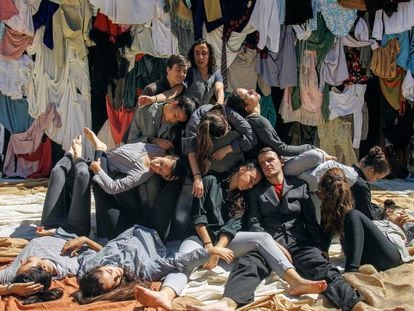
[72, 246]
[168, 95]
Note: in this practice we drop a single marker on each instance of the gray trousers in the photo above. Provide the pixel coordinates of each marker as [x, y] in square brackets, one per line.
[295, 166]
[242, 244]
[68, 200]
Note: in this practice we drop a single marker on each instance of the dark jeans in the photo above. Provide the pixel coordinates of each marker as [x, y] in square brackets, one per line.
[68, 201]
[309, 262]
[364, 243]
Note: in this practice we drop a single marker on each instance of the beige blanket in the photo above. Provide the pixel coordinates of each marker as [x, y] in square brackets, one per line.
[389, 289]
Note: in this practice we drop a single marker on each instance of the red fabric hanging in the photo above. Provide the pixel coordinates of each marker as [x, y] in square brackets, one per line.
[104, 24]
[119, 120]
[43, 155]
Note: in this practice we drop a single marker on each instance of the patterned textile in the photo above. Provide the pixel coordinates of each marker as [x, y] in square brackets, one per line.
[338, 19]
[336, 139]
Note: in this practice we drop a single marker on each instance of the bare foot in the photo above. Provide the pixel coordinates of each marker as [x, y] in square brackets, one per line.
[307, 287]
[41, 231]
[222, 252]
[300, 286]
[95, 141]
[71, 151]
[77, 147]
[221, 305]
[150, 298]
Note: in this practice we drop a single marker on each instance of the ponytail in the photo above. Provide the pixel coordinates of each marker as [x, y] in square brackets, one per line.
[204, 145]
[336, 202]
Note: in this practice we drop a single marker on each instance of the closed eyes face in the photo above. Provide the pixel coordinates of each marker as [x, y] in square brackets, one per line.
[110, 277]
[250, 97]
[176, 114]
[162, 166]
[248, 178]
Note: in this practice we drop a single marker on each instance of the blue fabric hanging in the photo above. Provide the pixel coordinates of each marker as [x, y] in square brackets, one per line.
[14, 114]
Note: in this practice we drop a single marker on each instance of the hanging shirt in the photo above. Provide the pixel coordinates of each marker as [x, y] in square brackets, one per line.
[15, 76]
[14, 43]
[128, 11]
[265, 18]
[399, 21]
[23, 22]
[350, 101]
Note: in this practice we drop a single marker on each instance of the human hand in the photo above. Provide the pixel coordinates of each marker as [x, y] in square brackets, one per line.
[41, 231]
[25, 289]
[163, 143]
[402, 219]
[222, 252]
[219, 154]
[212, 263]
[326, 157]
[95, 166]
[198, 187]
[145, 100]
[72, 247]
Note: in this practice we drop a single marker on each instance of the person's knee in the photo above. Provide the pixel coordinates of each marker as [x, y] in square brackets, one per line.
[83, 173]
[352, 216]
[58, 172]
[314, 157]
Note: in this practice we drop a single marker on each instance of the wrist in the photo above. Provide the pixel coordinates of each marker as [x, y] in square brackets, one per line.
[9, 289]
[208, 244]
[197, 174]
[155, 99]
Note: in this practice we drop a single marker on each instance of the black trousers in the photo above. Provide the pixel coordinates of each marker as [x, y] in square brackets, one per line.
[151, 204]
[309, 261]
[115, 213]
[364, 243]
[247, 273]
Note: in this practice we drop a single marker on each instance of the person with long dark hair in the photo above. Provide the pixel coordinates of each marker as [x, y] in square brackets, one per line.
[43, 252]
[362, 241]
[137, 254]
[215, 139]
[203, 79]
[41, 277]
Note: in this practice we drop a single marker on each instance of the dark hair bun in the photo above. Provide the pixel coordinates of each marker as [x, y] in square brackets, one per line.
[376, 152]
